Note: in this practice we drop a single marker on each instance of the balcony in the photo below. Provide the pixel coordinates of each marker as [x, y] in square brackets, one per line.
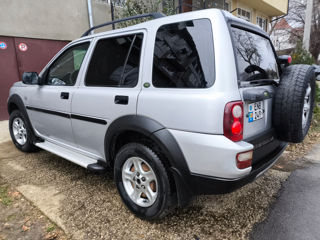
[269, 7]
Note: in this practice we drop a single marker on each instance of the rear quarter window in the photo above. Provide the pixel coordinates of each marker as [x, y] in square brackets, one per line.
[183, 55]
[254, 55]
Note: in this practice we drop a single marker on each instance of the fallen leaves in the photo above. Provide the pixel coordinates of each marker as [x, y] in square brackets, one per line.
[51, 236]
[25, 228]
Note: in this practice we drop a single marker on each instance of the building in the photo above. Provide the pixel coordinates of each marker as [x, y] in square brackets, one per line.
[33, 31]
[258, 12]
[284, 37]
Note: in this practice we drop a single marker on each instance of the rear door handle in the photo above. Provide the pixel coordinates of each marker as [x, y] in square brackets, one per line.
[123, 100]
[64, 95]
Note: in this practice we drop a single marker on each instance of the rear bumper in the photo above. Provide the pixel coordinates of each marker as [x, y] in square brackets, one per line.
[210, 185]
[210, 162]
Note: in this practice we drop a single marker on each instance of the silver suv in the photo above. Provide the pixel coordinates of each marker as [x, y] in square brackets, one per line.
[177, 106]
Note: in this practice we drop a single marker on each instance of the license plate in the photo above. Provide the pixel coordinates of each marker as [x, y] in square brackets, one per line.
[255, 111]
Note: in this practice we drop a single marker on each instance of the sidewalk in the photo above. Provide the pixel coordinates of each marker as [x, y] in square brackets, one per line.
[4, 131]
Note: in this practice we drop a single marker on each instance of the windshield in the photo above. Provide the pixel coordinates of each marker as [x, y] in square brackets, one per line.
[255, 57]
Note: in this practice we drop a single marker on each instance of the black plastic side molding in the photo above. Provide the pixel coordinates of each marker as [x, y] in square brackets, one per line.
[164, 140]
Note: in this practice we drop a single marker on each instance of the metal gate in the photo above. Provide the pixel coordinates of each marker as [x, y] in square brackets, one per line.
[18, 55]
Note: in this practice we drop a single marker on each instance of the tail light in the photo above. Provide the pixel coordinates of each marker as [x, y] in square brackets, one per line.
[233, 121]
[244, 159]
[284, 59]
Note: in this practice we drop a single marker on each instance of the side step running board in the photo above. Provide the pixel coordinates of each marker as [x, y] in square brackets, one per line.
[77, 158]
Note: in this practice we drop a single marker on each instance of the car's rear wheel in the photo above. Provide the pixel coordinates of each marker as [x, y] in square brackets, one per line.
[20, 131]
[142, 181]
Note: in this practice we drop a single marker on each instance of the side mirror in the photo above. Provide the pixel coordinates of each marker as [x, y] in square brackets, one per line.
[31, 78]
[284, 59]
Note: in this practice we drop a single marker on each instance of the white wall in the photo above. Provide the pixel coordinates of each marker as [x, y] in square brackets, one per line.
[49, 19]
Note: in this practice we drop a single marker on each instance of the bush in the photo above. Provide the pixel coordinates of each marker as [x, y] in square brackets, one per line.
[316, 110]
[301, 55]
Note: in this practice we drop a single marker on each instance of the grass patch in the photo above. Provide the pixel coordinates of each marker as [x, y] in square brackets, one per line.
[51, 228]
[4, 197]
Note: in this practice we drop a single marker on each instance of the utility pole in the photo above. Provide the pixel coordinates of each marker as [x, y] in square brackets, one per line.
[307, 25]
[90, 15]
[112, 14]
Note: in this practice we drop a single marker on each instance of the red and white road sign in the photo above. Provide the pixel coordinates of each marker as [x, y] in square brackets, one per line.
[23, 47]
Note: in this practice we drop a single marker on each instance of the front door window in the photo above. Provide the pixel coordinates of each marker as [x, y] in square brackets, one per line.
[64, 71]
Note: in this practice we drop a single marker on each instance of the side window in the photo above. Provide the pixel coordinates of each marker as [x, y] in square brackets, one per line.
[115, 62]
[183, 55]
[64, 70]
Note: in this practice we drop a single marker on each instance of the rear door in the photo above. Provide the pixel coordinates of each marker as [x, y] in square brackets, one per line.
[109, 89]
[257, 76]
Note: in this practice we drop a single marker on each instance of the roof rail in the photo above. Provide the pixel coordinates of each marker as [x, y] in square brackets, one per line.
[154, 15]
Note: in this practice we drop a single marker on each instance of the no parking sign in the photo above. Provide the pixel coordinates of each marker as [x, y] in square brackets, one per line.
[3, 45]
[23, 47]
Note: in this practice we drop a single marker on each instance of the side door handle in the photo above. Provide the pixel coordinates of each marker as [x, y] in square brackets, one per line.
[64, 95]
[123, 100]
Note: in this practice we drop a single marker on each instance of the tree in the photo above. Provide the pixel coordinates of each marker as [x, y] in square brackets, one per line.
[136, 7]
[296, 18]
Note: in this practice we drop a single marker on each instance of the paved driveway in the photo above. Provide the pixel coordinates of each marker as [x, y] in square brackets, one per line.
[296, 214]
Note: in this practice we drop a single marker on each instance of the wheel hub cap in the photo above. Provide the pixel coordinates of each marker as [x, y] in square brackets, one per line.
[19, 131]
[139, 181]
[306, 106]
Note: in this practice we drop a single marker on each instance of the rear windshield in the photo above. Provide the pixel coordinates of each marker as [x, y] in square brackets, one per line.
[183, 55]
[255, 56]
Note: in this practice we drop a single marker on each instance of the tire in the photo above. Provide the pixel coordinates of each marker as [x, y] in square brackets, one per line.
[144, 207]
[290, 118]
[25, 143]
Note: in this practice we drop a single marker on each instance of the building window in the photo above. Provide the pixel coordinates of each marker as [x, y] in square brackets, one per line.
[115, 2]
[118, 2]
[262, 22]
[244, 14]
[227, 6]
[222, 4]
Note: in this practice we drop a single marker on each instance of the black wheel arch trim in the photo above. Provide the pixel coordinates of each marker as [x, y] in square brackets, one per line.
[16, 99]
[163, 138]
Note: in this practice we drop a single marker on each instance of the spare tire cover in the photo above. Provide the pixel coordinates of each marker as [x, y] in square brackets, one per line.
[293, 103]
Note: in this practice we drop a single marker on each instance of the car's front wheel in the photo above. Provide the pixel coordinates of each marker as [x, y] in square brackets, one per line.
[20, 131]
[142, 181]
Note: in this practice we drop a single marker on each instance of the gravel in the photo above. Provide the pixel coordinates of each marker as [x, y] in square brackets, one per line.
[89, 206]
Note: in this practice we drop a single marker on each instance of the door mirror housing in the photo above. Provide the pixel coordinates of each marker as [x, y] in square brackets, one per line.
[31, 78]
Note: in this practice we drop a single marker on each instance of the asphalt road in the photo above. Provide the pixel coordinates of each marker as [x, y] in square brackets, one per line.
[296, 214]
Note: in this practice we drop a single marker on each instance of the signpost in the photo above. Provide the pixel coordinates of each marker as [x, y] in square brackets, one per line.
[307, 25]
